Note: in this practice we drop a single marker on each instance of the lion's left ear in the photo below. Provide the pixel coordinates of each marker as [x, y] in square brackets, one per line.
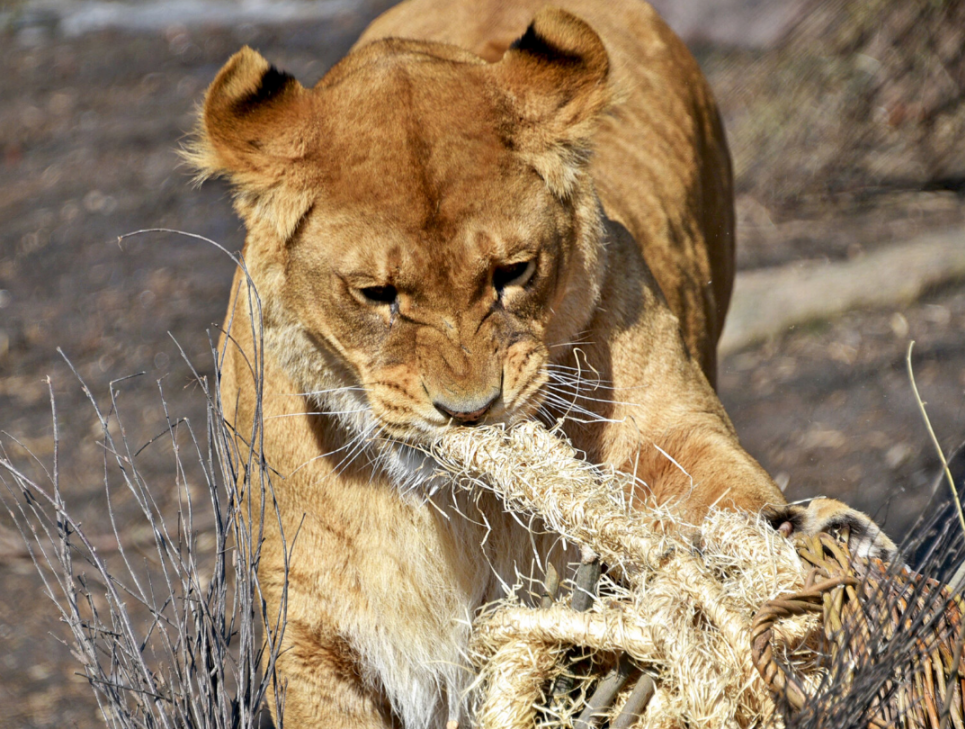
[556, 77]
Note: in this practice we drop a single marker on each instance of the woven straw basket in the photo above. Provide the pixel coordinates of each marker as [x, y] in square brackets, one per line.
[899, 626]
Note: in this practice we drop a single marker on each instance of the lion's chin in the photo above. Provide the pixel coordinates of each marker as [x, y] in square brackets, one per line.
[412, 469]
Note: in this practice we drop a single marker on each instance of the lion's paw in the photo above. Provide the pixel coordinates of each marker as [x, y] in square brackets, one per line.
[865, 538]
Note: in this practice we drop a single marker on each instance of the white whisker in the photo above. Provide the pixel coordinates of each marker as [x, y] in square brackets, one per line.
[361, 442]
[555, 388]
[349, 444]
[318, 412]
[567, 403]
[315, 393]
[578, 343]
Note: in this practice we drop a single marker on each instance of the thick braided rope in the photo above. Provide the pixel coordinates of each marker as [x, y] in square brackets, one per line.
[686, 616]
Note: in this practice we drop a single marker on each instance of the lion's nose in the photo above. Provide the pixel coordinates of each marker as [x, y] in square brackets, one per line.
[464, 417]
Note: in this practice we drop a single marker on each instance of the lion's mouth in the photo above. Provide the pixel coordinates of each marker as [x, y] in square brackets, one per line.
[406, 457]
[401, 443]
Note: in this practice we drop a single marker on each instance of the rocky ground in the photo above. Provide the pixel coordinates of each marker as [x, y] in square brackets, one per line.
[89, 129]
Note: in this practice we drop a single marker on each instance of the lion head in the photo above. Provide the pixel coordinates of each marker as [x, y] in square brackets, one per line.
[422, 228]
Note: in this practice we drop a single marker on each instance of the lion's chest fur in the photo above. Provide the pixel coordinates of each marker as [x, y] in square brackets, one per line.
[402, 577]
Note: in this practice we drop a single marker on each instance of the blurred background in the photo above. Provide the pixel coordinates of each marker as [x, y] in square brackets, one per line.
[847, 127]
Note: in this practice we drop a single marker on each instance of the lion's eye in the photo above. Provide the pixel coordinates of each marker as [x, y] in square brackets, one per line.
[515, 274]
[379, 294]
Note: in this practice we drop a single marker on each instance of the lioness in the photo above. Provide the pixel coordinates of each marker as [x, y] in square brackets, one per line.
[487, 212]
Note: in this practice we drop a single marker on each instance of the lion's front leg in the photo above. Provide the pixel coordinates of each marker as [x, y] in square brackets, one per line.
[323, 686]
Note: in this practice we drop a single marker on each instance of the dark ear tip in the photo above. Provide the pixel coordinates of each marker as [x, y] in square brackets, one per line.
[556, 36]
[240, 74]
[246, 81]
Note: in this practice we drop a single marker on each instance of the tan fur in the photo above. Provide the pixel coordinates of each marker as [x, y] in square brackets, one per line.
[392, 212]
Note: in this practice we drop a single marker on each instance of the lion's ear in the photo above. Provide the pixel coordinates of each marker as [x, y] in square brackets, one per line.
[255, 126]
[556, 76]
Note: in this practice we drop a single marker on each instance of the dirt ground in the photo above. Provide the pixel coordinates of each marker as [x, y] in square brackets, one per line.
[89, 129]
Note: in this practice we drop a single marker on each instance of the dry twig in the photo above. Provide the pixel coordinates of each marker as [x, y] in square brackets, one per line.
[180, 643]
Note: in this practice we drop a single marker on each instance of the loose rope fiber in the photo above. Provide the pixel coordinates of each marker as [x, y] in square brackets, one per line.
[727, 624]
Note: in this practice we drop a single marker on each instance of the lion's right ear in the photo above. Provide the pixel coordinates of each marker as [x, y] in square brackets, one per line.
[254, 129]
[557, 79]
